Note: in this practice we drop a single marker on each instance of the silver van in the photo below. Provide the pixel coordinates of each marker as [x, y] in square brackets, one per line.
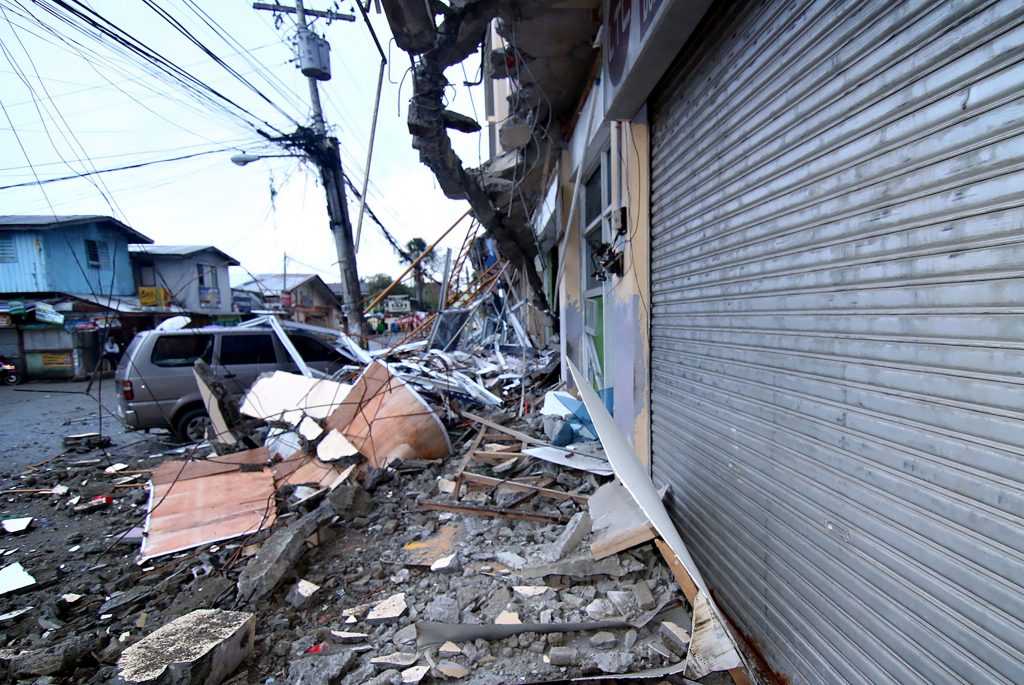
[158, 388]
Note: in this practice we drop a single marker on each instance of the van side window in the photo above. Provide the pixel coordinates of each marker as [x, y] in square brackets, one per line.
[182, 350]
[247, 349]
[312, 350]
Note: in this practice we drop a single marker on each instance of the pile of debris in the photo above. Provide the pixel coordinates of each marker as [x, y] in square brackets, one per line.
[437, 516]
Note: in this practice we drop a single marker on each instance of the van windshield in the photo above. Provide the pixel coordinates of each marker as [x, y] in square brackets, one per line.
[182, 350]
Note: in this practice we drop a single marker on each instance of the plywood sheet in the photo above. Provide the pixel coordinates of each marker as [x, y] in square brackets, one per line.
[301, 469]
[188, 513]
[385, 419]
[213, 464]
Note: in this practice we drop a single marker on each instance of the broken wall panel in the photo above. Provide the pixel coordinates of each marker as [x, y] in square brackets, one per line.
[188, 513]
[385, 419]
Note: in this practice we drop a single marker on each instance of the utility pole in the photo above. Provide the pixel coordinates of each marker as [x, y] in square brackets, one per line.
[327, 157]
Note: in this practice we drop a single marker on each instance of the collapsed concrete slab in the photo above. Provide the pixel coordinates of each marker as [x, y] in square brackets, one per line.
[200, 648]
[275, 559]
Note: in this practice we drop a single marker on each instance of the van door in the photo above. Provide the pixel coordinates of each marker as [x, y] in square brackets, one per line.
[243, 356]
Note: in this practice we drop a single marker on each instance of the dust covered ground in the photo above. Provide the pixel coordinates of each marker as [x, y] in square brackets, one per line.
[92, 599]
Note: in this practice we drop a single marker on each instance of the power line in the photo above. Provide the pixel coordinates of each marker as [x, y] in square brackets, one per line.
[139, 165]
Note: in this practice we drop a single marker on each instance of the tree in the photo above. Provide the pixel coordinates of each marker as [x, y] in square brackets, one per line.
[375, 285]
[413, 249]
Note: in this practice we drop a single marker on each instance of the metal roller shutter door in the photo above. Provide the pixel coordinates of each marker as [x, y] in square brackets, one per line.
[837, 355]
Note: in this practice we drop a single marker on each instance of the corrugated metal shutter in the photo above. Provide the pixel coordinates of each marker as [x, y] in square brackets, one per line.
[837, 332]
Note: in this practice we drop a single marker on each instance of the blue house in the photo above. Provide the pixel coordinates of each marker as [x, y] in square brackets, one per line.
[77, 255]
[64, 281]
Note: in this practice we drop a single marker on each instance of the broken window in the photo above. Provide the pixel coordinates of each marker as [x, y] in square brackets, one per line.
[182, 350]
[7, 253]
[147, 275]
[247, 349]
[207, 275]
[97, 253]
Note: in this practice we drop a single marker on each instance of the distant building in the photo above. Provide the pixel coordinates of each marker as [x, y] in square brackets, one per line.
[193, 277]
[303, 298]
[64, 279]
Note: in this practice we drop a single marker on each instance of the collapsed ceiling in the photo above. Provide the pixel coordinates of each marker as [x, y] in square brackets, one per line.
[547, 55]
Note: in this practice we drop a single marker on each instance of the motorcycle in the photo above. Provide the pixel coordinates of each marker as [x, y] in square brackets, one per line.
[9, 373]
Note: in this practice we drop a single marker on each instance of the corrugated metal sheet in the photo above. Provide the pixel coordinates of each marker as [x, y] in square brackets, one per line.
[837, 349]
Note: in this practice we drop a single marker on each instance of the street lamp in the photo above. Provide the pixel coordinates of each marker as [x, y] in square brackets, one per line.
[243, 158]
[331, 175]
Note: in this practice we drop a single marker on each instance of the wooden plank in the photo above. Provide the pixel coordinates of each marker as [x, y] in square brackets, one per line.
[523, 487]
[679, 571]
[492, 512]
[618, 522]
[465, 461]
[507, 431]
[682, 576]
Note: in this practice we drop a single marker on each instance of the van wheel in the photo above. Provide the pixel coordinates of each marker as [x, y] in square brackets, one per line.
[192, 426]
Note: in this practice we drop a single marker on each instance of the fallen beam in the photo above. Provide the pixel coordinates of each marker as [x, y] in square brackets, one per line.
[523, 487]
[492, 512]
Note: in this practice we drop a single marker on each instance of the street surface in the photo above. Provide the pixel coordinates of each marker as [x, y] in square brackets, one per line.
[35, 417]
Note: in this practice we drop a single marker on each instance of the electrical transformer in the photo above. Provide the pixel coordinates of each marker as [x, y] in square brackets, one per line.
[314, 56]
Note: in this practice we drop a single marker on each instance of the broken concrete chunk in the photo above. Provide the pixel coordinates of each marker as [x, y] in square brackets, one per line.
[450, 669]
[507, 618]
[613, 662]
[405, 636]
[200, 648]
[530, 590]
[572, 535]
[448, 564]
[449, 648]
[601, 609]
[625, 602]
[397, 660]
[345, 637]
[675, 637]
[577, 565]
[603, 639]
[278, 555]
[16, 525]
[414, 674]
[13, 577]
[389, 609]
[511, 559]
[643, 597]
[320, 669]
[563, 656]
[301, 592]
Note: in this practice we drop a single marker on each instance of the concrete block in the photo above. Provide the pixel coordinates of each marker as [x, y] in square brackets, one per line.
[200, 648]
[675, 637]
[388, 610]
[396, 660]
[320, 669]
[572, 535]
[563, 656]
[450, 669]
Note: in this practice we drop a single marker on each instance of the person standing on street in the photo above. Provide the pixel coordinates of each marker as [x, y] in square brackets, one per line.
[111, 352]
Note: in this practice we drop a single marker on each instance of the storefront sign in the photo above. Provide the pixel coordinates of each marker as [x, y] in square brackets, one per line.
[209, 297]
[46, 313]
[150, 296]
[12, 306]
[57, 360]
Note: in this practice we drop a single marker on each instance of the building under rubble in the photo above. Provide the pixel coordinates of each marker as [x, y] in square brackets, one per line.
[785, 236]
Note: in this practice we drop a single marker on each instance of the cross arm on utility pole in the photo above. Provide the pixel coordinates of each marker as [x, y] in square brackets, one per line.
[324, 14]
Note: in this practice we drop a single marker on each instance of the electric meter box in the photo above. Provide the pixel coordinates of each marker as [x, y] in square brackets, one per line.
[315, 57]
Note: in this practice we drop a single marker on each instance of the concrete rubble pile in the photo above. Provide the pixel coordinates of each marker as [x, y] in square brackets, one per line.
[425, 519]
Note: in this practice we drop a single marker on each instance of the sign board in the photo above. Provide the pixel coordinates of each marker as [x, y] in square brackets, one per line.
[45, 312]
[57, 360]
[209, 297]
[397, 304]
[5, 321]
[12, 306]
[286, 299]
[150, 296]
